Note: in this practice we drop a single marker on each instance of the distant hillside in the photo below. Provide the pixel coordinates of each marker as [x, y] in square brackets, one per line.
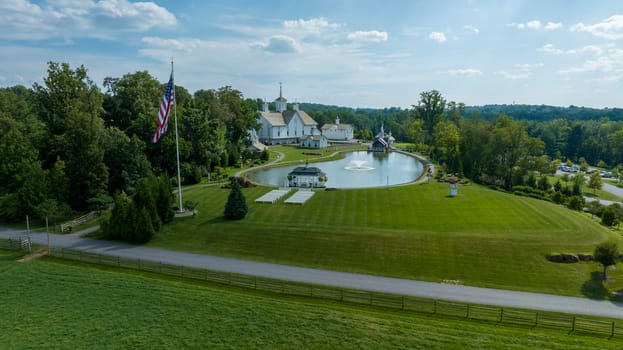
[543, 112]
[525, 112]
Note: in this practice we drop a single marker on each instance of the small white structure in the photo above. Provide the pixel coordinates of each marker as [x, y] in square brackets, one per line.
[454, 191]
[307, 177]
[337, 131]
[273, 196]
[314, 141]
[284, 126]
[300, 197]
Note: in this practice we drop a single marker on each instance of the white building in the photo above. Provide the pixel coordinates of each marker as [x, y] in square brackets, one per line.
[284, 126]
[307, 177]
[337, 131]
[314, 141]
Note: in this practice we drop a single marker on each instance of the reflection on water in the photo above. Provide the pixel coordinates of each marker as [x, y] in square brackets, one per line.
[356, 170]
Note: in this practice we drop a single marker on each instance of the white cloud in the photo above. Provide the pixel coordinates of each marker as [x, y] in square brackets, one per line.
[368, 36]
[438, 37]
[533, 24]
[521, 71]
[550, 48]
[471, 28]
[513, 76]
[280, 44]
[468, 72]
[310, 26]
[611, 28]
[528, 66]
[552, 25]
[536, 25]
[590, 49]
[25, 20]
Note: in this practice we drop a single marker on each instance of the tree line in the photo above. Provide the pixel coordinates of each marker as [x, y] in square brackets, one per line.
[68, 145]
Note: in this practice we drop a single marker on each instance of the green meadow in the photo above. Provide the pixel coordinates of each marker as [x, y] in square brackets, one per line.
[482, 237]
[55, 304]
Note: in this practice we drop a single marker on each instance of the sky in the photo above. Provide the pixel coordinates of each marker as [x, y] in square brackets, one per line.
[353, 53]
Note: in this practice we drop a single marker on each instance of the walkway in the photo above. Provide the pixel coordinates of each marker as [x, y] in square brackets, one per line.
[437, 291]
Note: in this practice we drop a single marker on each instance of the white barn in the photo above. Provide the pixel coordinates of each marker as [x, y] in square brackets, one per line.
[284, 126]
[337, 131]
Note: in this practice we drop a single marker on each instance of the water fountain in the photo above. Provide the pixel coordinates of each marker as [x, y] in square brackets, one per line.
[358, 165]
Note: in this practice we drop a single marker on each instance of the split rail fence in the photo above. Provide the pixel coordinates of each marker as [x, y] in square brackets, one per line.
[493, 314]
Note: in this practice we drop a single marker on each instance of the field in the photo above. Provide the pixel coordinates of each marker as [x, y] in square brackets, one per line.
[481, 238]
[50, 304]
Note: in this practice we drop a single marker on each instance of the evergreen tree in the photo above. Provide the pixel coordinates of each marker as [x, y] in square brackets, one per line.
[143, 229]
[163, 200]
[236, 207]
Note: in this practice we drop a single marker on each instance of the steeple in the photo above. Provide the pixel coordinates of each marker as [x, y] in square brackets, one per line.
[281, 102]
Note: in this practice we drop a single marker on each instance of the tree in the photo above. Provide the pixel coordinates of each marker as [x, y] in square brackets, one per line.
[543, 184]
[236, 206]
[594, 182]
[608, 217]
[430, 109]
[70, 106]
[606, 254]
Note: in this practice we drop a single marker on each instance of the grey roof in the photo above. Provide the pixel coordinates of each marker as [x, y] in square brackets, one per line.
[339, 126]
[281, 99]
[274, 118]
[307, 171]
[313, 137]
[283, 119]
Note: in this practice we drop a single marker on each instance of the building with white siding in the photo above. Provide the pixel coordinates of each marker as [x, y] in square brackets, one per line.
[338, 132]
[284, 126]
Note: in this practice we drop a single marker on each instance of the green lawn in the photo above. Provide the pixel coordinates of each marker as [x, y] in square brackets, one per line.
[481, 238]
[589, 192]
[52, 304]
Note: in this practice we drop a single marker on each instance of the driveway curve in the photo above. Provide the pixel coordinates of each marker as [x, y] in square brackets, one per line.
[439, 291]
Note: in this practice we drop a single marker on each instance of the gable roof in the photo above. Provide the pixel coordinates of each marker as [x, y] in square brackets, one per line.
[274, 118]
[307, 120]
[284, 118]
[338, 126]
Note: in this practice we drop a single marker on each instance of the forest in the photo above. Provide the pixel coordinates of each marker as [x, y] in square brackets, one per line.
[70, 146]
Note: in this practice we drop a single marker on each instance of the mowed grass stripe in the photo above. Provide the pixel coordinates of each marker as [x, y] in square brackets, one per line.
[73, 305]
[481, 237]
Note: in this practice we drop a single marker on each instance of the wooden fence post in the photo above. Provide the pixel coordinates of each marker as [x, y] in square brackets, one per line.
[403, 302]
[573, 325]
[612, 332]
[341, 294]
[434, 306]
[536, 319]
[467, 315]
[501, 314]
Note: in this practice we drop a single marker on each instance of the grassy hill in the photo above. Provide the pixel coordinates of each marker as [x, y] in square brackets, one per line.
[51, 304]
[482, 237]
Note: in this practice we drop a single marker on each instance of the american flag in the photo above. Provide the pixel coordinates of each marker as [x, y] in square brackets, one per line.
[165, 109]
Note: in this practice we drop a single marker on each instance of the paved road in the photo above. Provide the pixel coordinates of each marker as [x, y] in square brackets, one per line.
[339, 279]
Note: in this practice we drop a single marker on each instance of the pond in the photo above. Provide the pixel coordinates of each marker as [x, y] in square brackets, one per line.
[360, 169]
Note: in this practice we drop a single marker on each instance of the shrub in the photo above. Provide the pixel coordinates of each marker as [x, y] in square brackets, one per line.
[608, 217]
[576, 203]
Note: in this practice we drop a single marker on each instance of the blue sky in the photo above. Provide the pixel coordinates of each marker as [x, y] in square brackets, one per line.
[349, 53]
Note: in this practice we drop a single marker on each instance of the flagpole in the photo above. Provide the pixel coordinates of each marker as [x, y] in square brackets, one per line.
[177, 144]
